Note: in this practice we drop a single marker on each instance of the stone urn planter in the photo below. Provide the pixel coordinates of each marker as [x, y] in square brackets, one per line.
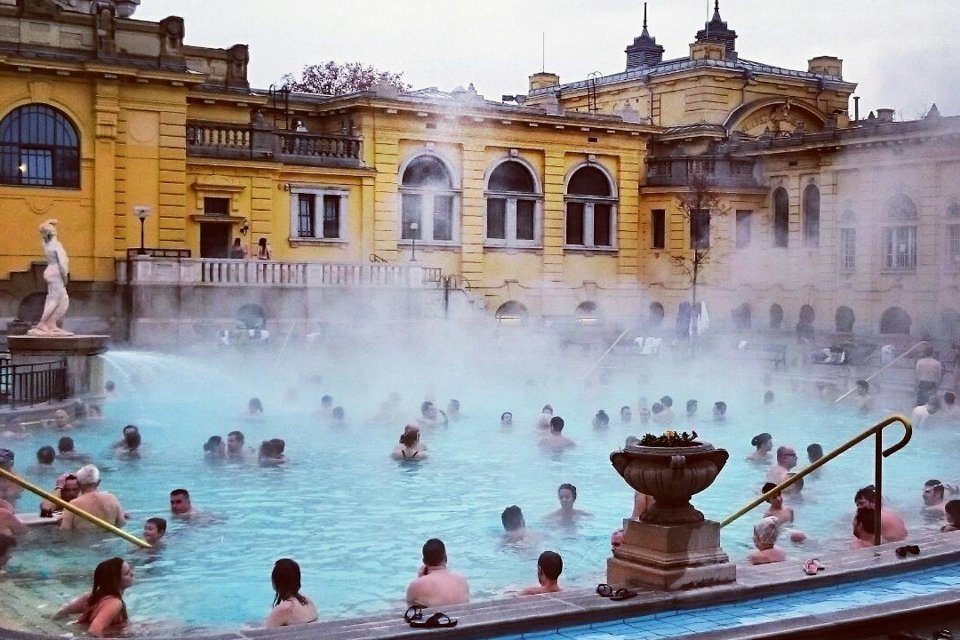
[671, 475]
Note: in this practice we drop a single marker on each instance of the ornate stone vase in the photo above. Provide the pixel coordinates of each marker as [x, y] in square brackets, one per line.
[672, 475]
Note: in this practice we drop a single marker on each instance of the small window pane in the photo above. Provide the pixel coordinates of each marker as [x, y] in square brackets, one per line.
[426, 172]
[443, 217]
[412, 205]
[526, 222]
[811, 216]
[700, 229]
[36, 167]
[575, 223]
[305, 215]
[511, 176]
[331, 216]
[744, 223]
[497, 218]
[216, 206]
[900, 250]
[781, 218]
[601, 225]
[848, 249]
[658, 220]
[953, 245]
[589, 181]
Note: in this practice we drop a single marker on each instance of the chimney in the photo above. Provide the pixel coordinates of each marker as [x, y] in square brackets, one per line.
[707, 51]
[885, 115]
[826, 66]
[543, 80]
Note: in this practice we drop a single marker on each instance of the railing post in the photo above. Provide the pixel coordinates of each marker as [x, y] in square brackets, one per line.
[878, 484]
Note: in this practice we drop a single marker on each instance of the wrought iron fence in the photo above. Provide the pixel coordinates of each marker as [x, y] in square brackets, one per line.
[30, 384]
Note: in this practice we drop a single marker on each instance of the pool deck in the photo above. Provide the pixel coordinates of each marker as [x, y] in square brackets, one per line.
[580, 613]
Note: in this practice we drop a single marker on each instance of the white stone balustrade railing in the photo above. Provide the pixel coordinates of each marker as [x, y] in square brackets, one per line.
[259, 273]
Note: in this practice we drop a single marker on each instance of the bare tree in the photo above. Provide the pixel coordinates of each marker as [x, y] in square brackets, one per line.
[333, 78]
[699, 203]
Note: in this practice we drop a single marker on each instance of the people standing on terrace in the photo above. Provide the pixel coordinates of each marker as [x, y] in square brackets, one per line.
[549, 568]
[237, 250]
[928, 372]
[892, 528]
[786, 460]
[97, 503]
[264, 252]
[435, 585]
[290, 607]
[103, 609]
[763, 445]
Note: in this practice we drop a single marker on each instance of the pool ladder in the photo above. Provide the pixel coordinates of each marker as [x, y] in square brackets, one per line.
[879, 454]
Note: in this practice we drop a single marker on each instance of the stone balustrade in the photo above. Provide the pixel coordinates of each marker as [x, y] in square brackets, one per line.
[668, 172]
[248, 141]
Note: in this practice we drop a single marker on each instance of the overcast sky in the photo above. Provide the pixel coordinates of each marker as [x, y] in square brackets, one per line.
[903, 54]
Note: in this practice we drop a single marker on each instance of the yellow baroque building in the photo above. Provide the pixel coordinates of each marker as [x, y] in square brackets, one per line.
[563, 202]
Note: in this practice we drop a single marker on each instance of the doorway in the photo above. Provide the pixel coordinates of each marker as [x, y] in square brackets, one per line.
[214, 239]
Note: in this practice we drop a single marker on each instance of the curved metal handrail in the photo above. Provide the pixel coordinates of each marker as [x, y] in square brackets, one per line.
[880, 453]
[103, 524]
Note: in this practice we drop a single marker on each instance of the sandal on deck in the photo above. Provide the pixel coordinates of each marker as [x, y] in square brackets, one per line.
[415, 612]
[812, 566]
[436, 621]
[623, 594]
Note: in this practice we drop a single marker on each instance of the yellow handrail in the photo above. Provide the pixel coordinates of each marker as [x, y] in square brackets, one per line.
[17, 480]
[878, 479]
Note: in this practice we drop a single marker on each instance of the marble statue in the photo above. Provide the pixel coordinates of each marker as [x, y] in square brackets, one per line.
[56, 275]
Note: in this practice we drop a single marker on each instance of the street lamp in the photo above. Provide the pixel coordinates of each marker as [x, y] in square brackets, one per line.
[143, 213]
[414, 226]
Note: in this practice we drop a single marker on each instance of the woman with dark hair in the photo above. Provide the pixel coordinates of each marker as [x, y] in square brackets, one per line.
[103, 608]
[290, 607]
[764, 445]
[566, 514]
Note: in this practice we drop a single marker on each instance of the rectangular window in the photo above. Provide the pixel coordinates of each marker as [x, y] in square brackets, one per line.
[410, 216]
[700, 229]
[443, 218]
[526, 220]
[900, 248]
[216, 206]
[497, 218]
[306, 214]
[658, 222]
[601, 225]
[953, 246]
[331, 216]
[744, 222]
[848, 249]
[36, 166]
[575, 211]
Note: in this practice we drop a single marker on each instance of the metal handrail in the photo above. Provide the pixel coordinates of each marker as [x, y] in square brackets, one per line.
[879, 454]
[89, 517]
[887, 366]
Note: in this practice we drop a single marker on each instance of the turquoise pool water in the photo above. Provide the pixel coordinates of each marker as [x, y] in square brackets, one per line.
[355, 519]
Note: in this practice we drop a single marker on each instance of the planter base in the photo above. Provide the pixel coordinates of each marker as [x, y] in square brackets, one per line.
[670, 557]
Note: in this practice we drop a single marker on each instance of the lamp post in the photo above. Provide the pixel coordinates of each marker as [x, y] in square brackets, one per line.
[414, 227]
[143, 213]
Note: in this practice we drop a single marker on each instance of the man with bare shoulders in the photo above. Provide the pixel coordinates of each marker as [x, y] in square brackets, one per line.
[554, 440]
[549, 567]
[435, 585]
[892, 528]
[97, 503]
[786, 460]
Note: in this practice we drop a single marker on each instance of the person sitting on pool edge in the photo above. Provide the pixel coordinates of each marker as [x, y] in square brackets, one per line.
[549, 568]
[435, 585]
[765, 534]
[103, 609]
[290, 607]
[892, 528]
[154, 530]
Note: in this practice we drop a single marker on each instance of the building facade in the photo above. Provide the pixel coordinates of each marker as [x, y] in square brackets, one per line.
[566, 202]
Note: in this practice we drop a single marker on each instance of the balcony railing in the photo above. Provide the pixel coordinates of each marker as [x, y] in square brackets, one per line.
[246, 141]
[30, 384]
[259, 273]
[722, 172]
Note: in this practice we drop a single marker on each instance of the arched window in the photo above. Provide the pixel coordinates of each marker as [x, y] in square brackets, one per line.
[848, 241]
[511, 312]
[429, 202]
[844, 319]
[895, 320]
[811, 216]
[591, 206]
[742, 317]
[656, 314]
[588, 313]
[39, 147]
[781, 217]
[807, 314]
[900, 235]
[514, 207]
[776, 316]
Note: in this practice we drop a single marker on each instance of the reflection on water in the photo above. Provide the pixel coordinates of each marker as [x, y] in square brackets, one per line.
[355, 519]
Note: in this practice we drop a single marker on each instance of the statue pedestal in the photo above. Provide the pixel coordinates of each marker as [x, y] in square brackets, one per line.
[84, 364]
[670, 557]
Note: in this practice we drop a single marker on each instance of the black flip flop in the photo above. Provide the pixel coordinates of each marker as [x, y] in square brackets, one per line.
[436, 621]
[623, 594]
[415, 612]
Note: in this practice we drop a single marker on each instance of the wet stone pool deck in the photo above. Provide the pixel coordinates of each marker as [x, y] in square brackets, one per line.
[765, 601]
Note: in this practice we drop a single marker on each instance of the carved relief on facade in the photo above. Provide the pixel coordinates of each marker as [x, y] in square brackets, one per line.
[781, 120]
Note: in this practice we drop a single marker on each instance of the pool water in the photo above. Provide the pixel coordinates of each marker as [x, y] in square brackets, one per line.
[355, 520]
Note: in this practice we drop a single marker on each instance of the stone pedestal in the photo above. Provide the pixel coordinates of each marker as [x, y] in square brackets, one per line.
[84, 364]
[670, 557]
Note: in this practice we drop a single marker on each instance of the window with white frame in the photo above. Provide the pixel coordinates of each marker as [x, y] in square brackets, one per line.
[900, 235]
[848, 241]
[429, 203]
[952, 236]
[514, 208]
[318, 214]
[591, 208]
